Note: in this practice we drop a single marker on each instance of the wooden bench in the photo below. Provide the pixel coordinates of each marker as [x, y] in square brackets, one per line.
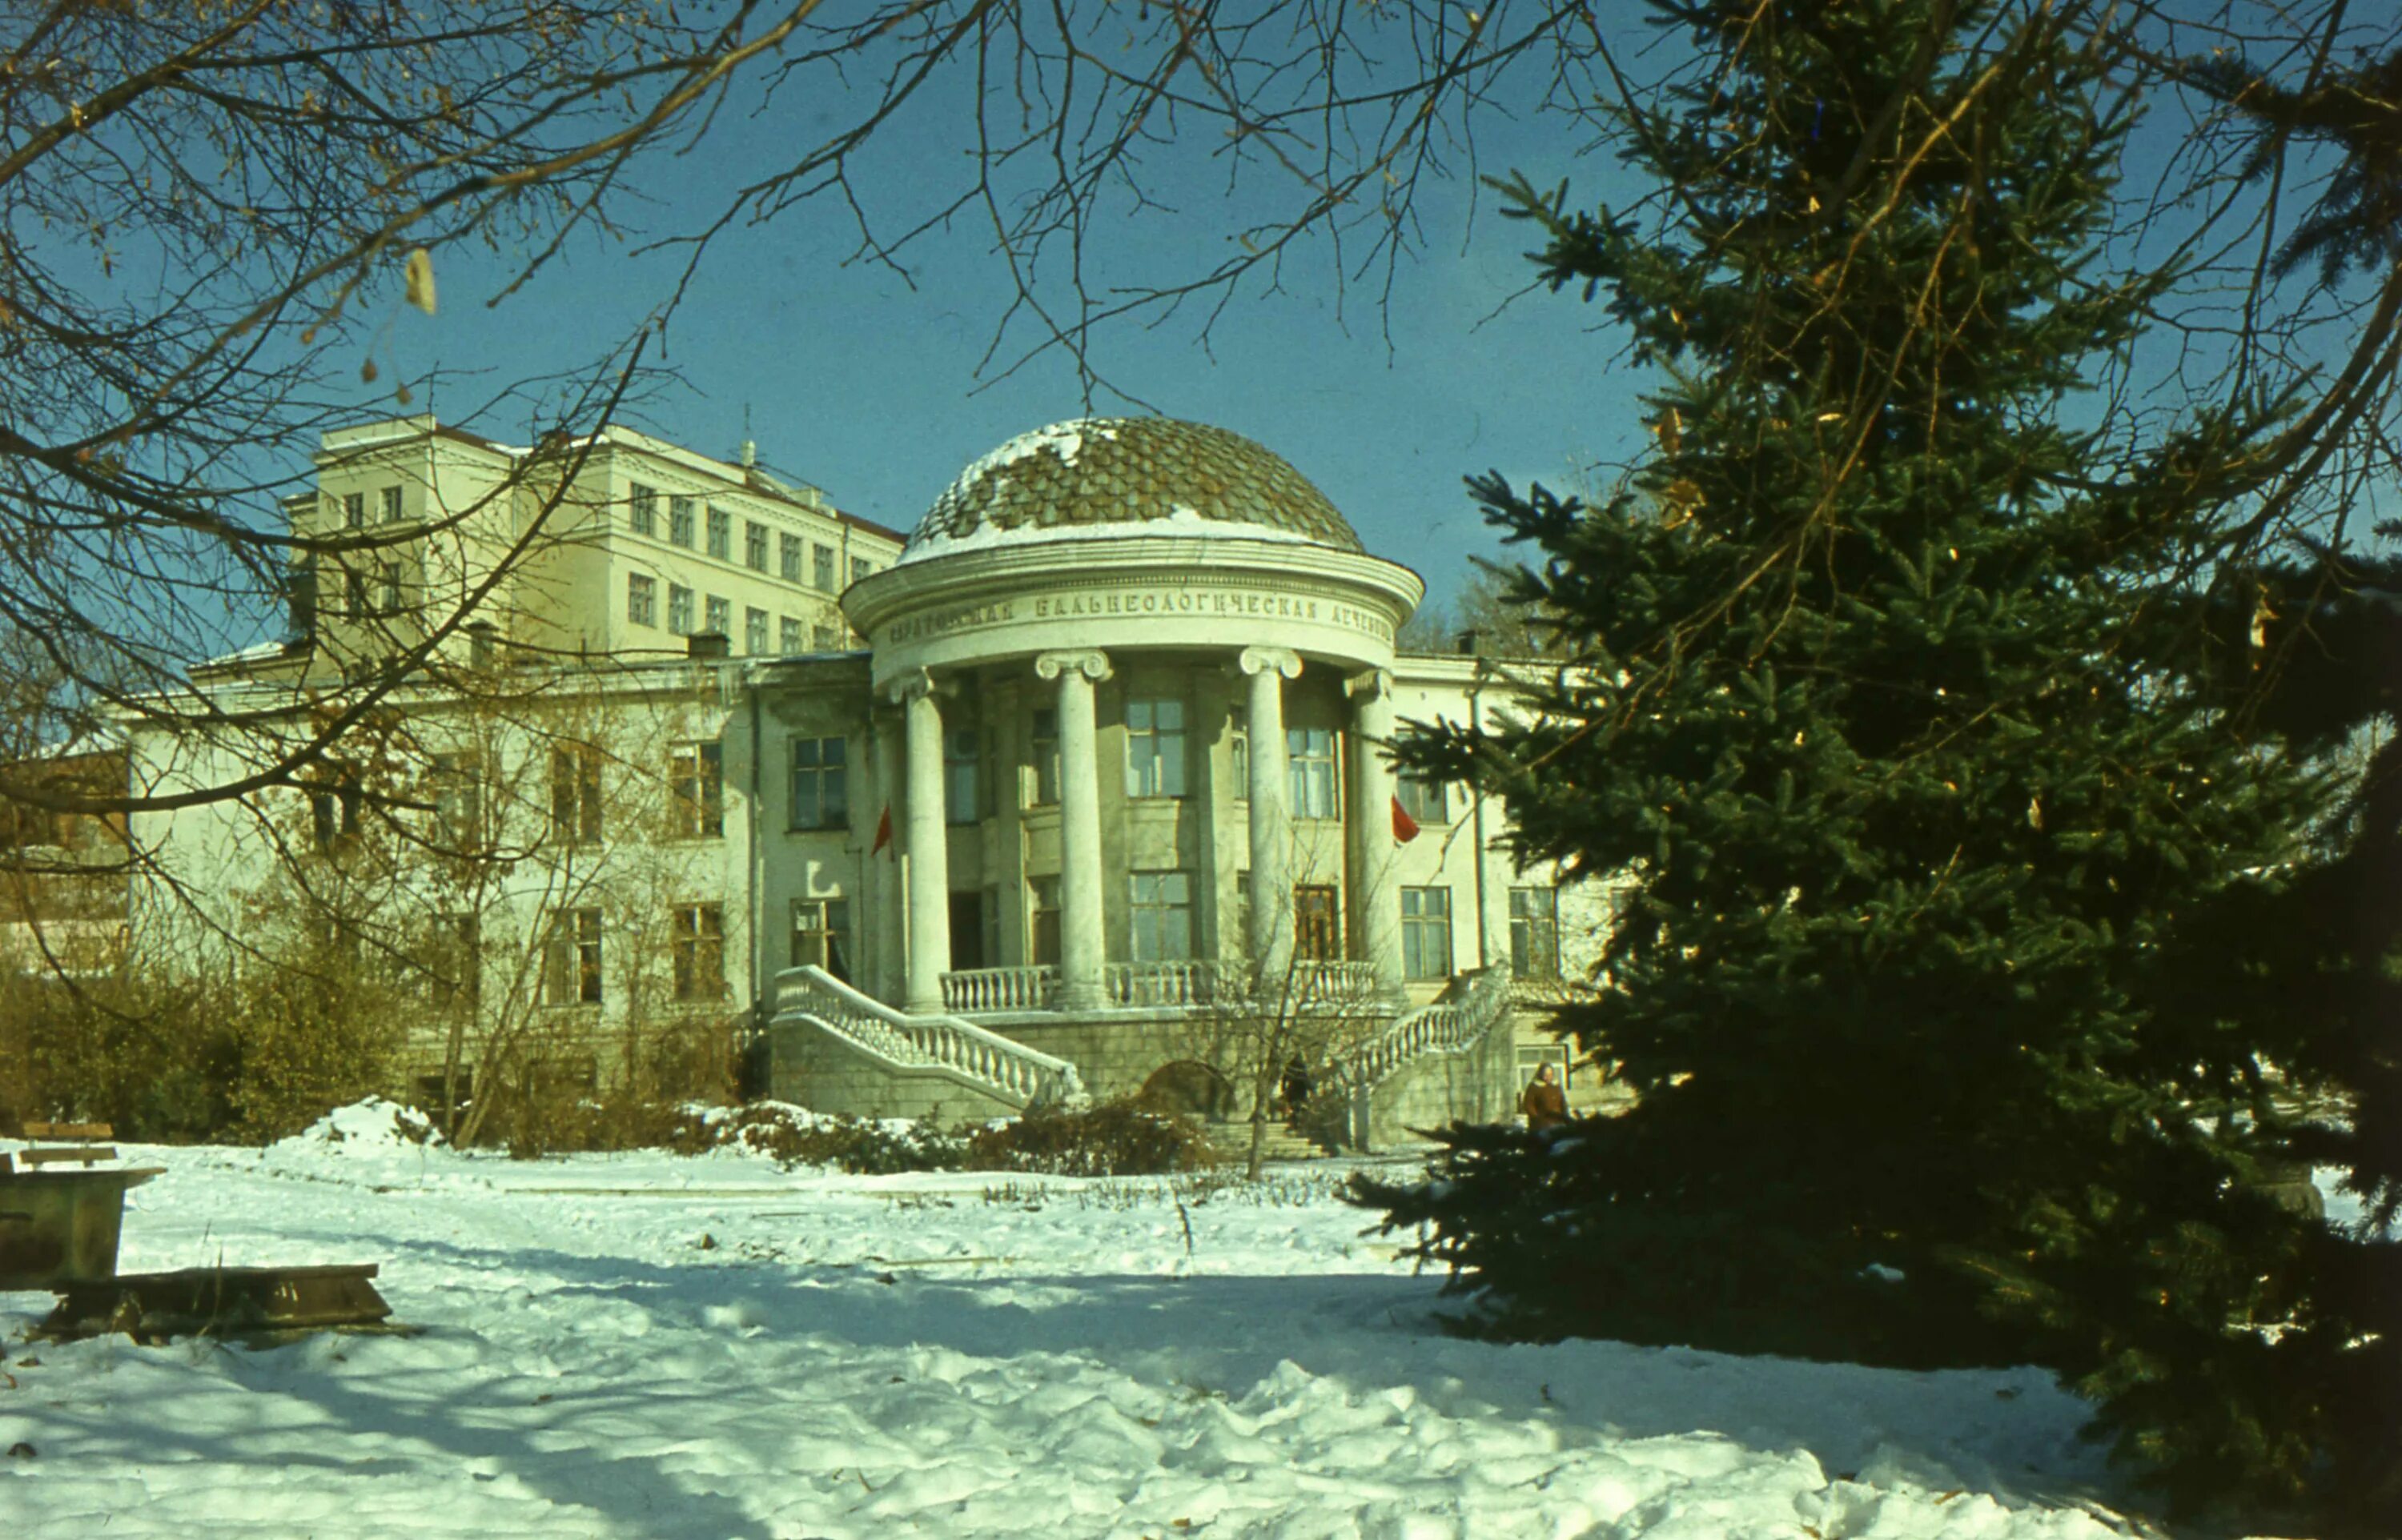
[85, 1145]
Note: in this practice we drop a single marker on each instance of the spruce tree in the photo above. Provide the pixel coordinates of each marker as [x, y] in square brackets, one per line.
[1883, 707]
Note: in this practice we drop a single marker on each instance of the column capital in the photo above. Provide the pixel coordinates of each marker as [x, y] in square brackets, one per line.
[1370, 684]
[1259, 660]
[1091, 662]
[916, 684]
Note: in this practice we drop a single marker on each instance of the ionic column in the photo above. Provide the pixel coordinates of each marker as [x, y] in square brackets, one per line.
[929, 880]
[1375, 873]
[1079, 826]
[1271, 917]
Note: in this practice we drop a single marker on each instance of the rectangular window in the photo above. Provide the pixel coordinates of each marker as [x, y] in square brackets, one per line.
[1535, 932]
[389, 499]
[1426, 933]
[825, 638]
[719, 616]
[458, 787]
[679, 609]
[574, 793]
[789, 639]
[1238, 752]
[755, 632]
[1426, 801]
[1316, 923]
[355, 510]
[1155, 747]
[354, 584]
[821, 568]
[721, 534]
[1042, 921]
[642, 599]
[388, 586]
[962, 749]
[821, 794]
[859, 568]
[696, 791]
[1310, 762]
[754, 545]
[696, 951]
[822, 935]
[1043, 743]
[334, 812]
[680, 521]
[642, 510]
[1161, 908]
[455, 962]
[790, 550]
[570, 972]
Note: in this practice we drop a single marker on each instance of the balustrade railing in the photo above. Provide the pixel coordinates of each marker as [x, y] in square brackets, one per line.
[983, 989]
[1009, 1072]
[1446, 1026]
[1166, 985]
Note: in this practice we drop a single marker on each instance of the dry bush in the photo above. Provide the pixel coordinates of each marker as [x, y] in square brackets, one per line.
[1116, 1138]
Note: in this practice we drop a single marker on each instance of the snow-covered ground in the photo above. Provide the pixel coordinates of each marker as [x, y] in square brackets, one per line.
[654, 1347]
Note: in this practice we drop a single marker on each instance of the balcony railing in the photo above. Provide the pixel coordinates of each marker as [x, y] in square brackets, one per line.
[1159, 984]
[1010, 1072]
[979, 990]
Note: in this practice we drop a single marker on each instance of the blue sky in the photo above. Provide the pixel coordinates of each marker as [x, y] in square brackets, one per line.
[869, 387]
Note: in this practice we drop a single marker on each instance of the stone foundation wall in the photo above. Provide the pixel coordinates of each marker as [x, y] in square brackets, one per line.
[813, 1068]
[1479, 1086]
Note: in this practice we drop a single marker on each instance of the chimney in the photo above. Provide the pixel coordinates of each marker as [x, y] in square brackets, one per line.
[708, 646]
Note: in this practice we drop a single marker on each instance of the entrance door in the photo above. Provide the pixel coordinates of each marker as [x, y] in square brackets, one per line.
[966, 932]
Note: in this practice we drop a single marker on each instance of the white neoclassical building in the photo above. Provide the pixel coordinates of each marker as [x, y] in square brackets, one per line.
[1083, 790]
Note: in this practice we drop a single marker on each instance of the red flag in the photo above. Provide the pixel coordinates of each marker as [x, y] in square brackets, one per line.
[1405, 828]
[883, 831]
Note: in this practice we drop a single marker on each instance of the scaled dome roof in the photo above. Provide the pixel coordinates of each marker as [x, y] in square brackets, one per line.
[1096, 477]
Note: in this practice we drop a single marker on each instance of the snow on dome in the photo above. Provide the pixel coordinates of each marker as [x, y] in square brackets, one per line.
[1097, 478]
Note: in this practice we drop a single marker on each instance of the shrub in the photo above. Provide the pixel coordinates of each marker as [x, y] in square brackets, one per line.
[1118, 1138]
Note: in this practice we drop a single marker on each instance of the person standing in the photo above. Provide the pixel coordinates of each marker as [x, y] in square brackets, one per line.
[1545, 1105]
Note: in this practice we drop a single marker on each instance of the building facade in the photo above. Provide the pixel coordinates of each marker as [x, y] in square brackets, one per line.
[1086, 799]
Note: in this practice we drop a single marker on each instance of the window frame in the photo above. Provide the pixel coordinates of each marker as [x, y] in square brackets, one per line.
[1527, 928]
[642, 599]
[718, 522]
[679, 610]
[962, 774]
[1424, 798]
[696, 790]
[1427, 934]
[754, 545]
[1158, 752]
[830, 779]
[388, 504]
[697, 953]
[642, 509]
[574, 958]
[792, 554]
[1309, 773]
[829, 949]
[822, 566]
[754, 631]
[1149, 899]
[682, 521]
[577, 815]
[717, 614]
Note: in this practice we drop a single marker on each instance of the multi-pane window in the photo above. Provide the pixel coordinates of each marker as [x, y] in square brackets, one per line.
[787, 636]
[1160, 906]
[1426, 932]
[696, 951]
[571, 970]
[642, 510]
[679, 609]
[1155, 747]
[458, 801]
[1310, 762]
[719, 616]
[790, 551]
[962, 752]
[574, 793]
[696, 791]
[354, 584]
[1045, 745]
[820, 795]
[821, 568]
[825, 638]
[721, 534]
[1535, 932]
[1042, 921]
[388, 586]
[1423, 799]
[754, 545]
[680, 520]
[355, 510]
[642, 599]
[859, 568]
[334, 812]
[754, 631]
[1318, 923]
[453, 962]
[387, 500]
[822, 935]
